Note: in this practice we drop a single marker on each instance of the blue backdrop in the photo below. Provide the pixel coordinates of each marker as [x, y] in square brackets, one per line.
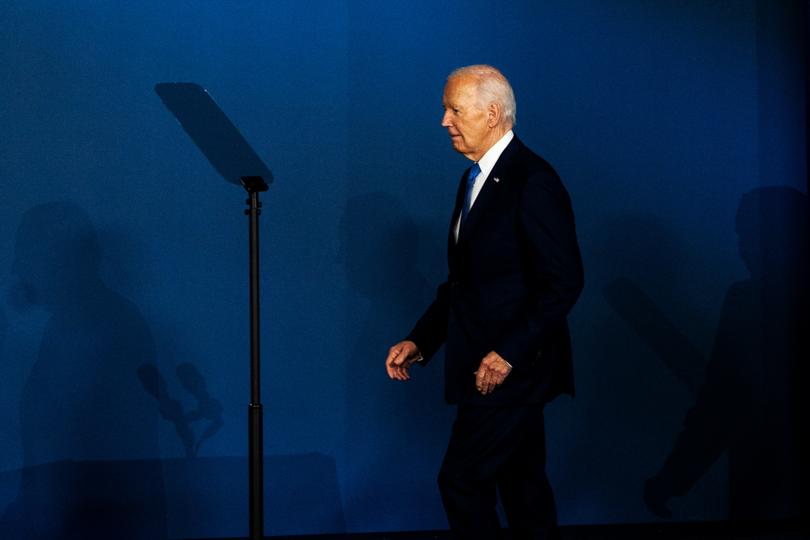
[123, 337]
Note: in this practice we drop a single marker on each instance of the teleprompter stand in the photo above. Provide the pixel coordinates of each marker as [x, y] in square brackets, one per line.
[254, 185]
[231, 155]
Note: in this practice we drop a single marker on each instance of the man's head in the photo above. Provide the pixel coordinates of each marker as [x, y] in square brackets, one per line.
[479, 108]
[57, 256]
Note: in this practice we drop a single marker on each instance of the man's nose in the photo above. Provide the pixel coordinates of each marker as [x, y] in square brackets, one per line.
[446, 120]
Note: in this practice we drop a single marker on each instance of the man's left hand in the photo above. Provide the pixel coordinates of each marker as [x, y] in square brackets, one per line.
[491, 373]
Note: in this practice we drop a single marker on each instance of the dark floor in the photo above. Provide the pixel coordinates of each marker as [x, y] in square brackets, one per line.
[645, 531]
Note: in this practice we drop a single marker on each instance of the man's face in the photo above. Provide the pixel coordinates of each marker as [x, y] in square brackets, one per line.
[466, 123]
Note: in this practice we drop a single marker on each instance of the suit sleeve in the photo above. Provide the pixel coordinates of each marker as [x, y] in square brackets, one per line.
[553, 266]
[431, 329]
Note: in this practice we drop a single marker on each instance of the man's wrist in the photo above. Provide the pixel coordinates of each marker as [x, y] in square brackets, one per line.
[505, 361]
[416, 355]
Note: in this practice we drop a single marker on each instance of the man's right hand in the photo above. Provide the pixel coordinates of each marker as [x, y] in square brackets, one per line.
[400, 357]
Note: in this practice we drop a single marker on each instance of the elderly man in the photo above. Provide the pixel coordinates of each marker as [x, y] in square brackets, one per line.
[514, 274]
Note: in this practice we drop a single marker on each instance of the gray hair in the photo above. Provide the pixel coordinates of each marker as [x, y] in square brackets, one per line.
[492, 87]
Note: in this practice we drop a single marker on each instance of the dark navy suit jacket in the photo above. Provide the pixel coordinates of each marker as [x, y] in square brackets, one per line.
[514, 275]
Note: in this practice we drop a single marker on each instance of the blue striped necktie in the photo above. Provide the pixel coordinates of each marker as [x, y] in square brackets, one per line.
[472, 174]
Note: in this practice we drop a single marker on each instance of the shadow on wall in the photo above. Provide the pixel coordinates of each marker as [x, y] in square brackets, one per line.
[651, 251]
[89, 414]
[750, 403]
[208, 409]
[388, 421]
[88, 430]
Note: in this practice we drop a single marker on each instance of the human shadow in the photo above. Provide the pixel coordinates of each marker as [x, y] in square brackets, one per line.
[88, 430]
[388, 422]
[659, 332]
[207, 408]
[751, 403]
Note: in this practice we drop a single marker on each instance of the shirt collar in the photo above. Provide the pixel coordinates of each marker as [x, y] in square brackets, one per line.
[488, 160]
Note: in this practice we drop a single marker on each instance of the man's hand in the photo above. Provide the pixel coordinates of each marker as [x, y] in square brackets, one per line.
[400, 358]
[491, 373]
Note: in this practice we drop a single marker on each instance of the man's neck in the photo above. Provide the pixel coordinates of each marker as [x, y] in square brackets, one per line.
[488, 160]
[496, 135]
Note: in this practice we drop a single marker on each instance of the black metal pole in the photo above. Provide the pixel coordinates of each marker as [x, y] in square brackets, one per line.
[230, 154]
[254, 185]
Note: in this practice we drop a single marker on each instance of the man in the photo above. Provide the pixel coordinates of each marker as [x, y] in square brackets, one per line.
[514, 273]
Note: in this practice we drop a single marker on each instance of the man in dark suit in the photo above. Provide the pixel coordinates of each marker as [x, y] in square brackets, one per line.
[514, 274]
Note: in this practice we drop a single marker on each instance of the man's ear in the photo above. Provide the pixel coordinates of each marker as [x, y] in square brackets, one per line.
[494, 113]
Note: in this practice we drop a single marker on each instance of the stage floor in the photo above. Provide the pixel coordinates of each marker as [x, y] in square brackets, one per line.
[645, 531]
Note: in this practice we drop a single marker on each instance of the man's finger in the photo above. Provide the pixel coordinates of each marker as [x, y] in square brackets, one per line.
[492, 382]
[402, 354]
[394, 361]
[397, 364]
[489, 377]
[395, 356]
[390, 371]
[484, 383]
[479, 378]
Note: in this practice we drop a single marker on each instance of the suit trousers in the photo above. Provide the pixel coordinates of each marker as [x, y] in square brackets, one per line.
[498, 450]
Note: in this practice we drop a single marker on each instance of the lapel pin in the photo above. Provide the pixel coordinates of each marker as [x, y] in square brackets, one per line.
[496, 179]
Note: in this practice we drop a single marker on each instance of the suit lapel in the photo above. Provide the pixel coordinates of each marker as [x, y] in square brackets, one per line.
[451, 237]
[489, 191]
